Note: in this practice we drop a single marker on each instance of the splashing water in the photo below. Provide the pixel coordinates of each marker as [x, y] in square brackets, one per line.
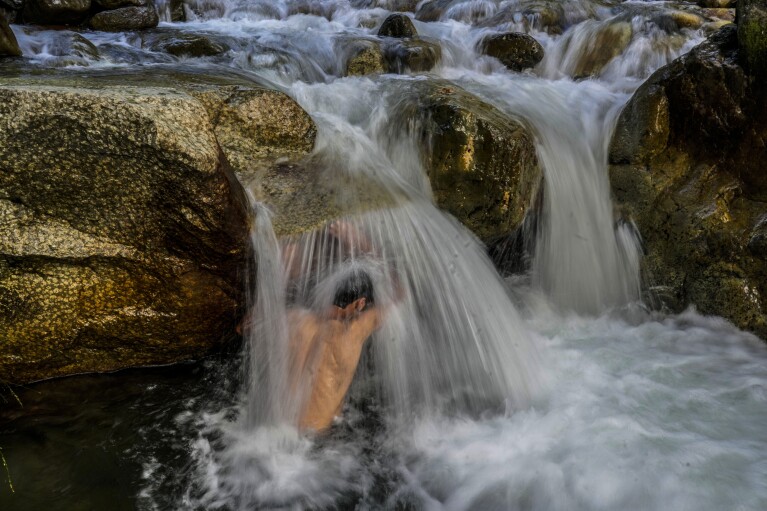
[461, 401]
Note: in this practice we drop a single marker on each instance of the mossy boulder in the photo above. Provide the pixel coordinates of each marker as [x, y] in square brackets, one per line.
[752, 35]
[481, 163]
[688, 165]
[515, 51]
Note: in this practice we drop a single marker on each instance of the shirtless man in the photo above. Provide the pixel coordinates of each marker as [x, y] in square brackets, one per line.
[325, 349]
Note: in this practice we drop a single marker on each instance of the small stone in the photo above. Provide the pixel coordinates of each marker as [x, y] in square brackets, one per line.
[125, 18]
[516, 51]
[397, 25]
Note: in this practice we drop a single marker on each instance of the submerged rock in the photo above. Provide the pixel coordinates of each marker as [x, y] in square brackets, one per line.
[609, 41]
[55, 12]
[688, 165]
[126, 18]
[415, 55]
[481, 163]
[397, 25]
[9, 46]
[516, 51]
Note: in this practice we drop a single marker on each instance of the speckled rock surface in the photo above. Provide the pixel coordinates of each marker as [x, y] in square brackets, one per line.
[688, 164]
[516, 51]
[481, 163]
[123, 230]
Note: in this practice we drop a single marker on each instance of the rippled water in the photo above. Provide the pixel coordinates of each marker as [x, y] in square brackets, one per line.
[613, 407]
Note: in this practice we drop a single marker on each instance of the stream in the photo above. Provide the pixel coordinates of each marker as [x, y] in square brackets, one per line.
[555, 389]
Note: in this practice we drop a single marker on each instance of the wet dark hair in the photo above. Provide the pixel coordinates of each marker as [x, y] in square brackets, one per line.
[355, 286]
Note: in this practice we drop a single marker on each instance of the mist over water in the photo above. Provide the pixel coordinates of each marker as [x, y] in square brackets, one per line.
[553, 390]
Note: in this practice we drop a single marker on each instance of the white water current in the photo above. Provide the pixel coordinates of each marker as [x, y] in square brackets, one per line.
[553, 390]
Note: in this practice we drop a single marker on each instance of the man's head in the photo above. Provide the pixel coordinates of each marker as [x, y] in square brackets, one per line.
[353, 294]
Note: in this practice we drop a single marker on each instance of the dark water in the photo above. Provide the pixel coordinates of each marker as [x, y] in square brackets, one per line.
[81, 443]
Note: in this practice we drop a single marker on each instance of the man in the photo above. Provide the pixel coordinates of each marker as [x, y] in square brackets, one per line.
[325, 349]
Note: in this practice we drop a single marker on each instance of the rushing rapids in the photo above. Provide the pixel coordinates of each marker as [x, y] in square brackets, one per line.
[554, 389]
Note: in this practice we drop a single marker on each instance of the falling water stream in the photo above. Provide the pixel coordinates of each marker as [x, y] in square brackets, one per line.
[552, 390]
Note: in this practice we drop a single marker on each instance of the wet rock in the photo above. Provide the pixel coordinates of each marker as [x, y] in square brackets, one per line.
[717, 3]
[256, 126]
[686, 19]
[9, 46]
[55, 12]
[123, 230]
[83, 48]
[720, 14]
[125, 19]
[398, 26]
[115, 4]
[188, 45]
[367, 58]
[687, 164]
[389, 5]
[177, 12]
[547, 16]
[752, 35]
[432, 10]
[12, 5]
[609, 41]
[481, 163]
[414, 55]
[515, 51]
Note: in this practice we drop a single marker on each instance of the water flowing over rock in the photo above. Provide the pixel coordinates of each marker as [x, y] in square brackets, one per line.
[126, 18]
[516, 51]
[481, 163]
[8, 44]
[124, 228]
[414, 55]
[367, 58]
[687, 164]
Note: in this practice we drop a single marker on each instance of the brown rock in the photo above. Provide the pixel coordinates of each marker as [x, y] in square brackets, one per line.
[123, 230]
[125, 19]
[398, 26]
[515, 51]
[688, 165]
[414, 55]
[9, 46]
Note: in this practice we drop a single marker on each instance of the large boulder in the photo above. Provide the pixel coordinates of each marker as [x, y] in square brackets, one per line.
[752, 35]
[688, 165]
[124, 229]
[481, 163]
[9, 46]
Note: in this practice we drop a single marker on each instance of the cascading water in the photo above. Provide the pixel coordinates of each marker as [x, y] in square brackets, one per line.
[459, 402]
